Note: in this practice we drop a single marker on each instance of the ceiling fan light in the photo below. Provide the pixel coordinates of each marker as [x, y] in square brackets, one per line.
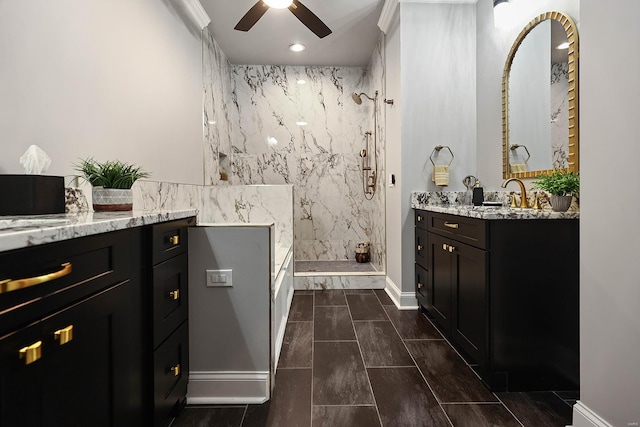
[297, 47]
[278, 4]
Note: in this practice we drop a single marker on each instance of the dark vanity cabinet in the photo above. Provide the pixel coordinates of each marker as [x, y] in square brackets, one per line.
[505, 293]
[69, 346]
[166, 353]
[93, 330]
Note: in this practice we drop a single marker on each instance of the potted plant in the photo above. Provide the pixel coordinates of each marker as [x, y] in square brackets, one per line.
[562, 185]
[111, 183]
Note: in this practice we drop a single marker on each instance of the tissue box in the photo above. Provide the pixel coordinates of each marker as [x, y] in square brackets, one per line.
[31, 194]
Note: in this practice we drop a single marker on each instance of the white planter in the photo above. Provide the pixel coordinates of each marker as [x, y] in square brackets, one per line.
[111, 199]
[561, 203]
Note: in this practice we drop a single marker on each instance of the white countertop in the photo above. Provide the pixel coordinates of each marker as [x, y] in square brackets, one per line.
[23, 231]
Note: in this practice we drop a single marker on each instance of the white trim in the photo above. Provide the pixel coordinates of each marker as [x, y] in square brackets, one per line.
[197, 13]
[386, 16]
[227, 387]
[402, 300]
[585, 417]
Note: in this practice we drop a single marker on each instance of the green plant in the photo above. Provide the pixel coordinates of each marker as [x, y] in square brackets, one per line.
[559, 183]
[110, 174]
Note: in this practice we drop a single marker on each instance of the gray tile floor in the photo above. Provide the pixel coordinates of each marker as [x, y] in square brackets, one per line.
[351, 358]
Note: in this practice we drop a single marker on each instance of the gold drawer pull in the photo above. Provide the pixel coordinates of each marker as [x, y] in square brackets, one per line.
[64, 335]
[444, 246]
[175, 295]
[420, 285]
[10, 285]
[451, 225]
[452, 248]
[31, 353]
[419, 218]
[175, 370]
[174, 240]
[419, 247]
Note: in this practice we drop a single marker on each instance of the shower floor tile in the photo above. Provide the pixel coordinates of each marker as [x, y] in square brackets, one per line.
[343, 266]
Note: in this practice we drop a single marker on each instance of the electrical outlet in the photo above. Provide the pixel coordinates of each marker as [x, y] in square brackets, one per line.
[219, 278]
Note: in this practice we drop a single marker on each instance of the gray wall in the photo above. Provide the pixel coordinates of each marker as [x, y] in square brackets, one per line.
[104, 78]
[610, 239]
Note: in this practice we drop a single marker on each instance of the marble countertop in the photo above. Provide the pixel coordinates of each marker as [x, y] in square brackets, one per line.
[23, 231]
[426, 202]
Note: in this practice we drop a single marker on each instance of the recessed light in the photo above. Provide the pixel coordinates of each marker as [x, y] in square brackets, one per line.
[297, 47]
[562, 46]
[301, 81]
[278, 4]
[301, 123]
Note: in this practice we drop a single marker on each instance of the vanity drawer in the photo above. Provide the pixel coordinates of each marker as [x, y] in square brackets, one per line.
[40, 279]
[421, 247]
[170, 239]
[420, 219]
[472, 231]
[170, 285]
[171, 372]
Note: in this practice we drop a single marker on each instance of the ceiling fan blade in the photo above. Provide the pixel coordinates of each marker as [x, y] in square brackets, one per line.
[309, 19]
[252, 16]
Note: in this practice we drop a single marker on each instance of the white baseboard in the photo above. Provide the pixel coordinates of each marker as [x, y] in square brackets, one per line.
[585, 417]
[229, 387]
[402, 300]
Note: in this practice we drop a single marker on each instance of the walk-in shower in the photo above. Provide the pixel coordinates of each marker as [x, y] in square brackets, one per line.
[369, 167]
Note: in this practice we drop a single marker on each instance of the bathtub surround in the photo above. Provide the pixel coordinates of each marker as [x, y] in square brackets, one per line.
[262, 127]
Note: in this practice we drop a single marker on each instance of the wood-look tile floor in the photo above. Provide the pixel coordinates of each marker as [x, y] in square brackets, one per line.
[351, 358]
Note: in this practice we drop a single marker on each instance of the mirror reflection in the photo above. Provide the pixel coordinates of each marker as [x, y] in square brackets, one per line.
[539, 103]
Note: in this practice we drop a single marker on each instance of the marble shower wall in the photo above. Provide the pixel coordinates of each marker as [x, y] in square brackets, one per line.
[560, 115]
[250, 115]
[216, 114]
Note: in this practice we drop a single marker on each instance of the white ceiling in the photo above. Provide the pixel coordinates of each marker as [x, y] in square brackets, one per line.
[353, 24]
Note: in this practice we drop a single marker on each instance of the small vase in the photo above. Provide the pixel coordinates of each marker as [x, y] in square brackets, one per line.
[560, 203]
[112, 199]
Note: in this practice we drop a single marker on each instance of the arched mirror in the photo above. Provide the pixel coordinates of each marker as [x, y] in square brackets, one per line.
[540, 99]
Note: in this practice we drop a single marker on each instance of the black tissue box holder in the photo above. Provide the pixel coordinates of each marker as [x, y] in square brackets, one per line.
[31, 194]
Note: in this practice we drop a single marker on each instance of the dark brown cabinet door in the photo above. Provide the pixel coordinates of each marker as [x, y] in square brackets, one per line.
[70, 370]
[21, 382]
[439, 283]
[469, 308]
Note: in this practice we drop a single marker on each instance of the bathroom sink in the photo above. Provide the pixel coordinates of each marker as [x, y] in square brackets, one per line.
[9, 224]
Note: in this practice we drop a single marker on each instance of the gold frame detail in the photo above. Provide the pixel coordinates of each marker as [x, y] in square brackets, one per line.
[573, 54]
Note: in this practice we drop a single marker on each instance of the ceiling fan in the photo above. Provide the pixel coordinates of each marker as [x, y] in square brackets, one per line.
[301, 12]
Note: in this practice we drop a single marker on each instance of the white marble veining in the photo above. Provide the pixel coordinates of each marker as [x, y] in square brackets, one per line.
[324, 282]
[31, 231]
[251, 204]
[251, 133]
[560, 115]
[447, 203]
[151, 195]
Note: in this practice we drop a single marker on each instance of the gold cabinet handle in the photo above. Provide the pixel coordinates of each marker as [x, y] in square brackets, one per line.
[419, 218]
[174, 240]
[420, 285]
[444, 246]
[451, 224]
[452, 248]
[10, 285]
[419, 247]
[64, 335]
[175, 295]
[31, 353]
[175, 370]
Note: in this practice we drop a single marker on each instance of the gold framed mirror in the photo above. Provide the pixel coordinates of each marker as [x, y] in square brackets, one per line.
[540, 99]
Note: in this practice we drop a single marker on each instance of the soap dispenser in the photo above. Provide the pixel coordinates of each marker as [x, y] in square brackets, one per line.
[478, 195]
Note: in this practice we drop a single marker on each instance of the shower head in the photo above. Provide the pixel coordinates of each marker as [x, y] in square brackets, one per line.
[357, 98]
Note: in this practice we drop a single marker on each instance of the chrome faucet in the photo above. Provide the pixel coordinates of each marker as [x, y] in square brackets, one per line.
[524, 203]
